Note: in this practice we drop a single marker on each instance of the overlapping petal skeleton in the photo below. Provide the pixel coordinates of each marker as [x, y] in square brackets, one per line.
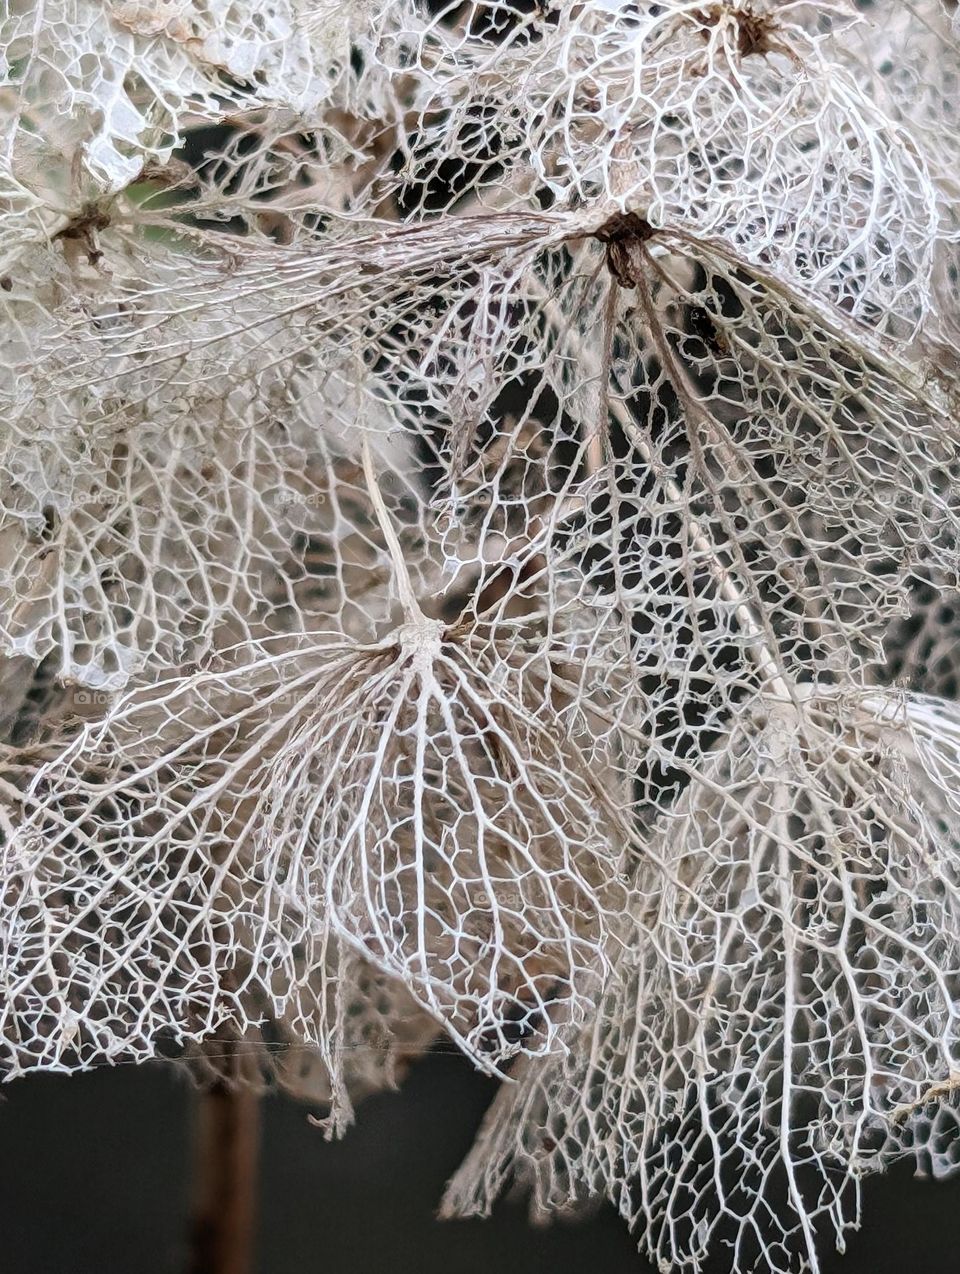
[785, 1008]
[493, 475]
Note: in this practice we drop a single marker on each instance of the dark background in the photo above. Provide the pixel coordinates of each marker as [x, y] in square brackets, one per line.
[94, 1180]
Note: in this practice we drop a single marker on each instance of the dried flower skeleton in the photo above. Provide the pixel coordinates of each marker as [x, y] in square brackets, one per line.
[464, 520]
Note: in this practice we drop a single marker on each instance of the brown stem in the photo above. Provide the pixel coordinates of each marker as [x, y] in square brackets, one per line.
[227, 1136]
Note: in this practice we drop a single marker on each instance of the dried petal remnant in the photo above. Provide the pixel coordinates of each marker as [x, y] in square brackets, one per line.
[754, 29]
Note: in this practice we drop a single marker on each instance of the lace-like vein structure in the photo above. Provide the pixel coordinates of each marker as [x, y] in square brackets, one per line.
[396, 798]
[480, 501]
[798, 997]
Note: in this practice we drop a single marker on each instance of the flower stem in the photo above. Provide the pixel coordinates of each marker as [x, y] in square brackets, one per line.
[226, 1145]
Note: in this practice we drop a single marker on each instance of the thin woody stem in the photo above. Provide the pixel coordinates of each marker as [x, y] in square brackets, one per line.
[226, 1150]
[408, 598]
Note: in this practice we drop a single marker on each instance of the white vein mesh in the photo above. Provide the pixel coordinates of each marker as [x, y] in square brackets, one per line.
[146, 506]
[783, 1011]
[116, 79]
[501, 462]
[699, 116]
[396, 795]
[378, 1033]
